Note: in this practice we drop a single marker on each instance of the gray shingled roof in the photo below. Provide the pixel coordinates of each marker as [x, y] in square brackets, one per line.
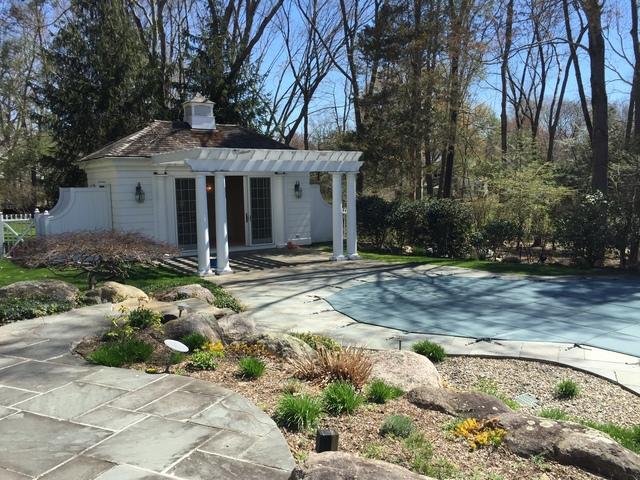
[165, 136]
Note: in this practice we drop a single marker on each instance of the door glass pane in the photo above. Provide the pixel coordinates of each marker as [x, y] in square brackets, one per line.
[186, 212]
[260, 190]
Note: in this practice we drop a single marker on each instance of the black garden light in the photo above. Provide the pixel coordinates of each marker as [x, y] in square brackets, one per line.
[326, 440]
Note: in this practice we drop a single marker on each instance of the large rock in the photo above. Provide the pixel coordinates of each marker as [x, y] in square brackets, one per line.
[404, 369]
[192, 323]
[186, 291]
[281, 344]
[345, 466]
[114, 292]
[54, 289]
[236, 327]
[571, 444]
[460, 404]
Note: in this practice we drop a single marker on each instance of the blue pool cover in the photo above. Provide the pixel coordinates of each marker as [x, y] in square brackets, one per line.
[603, 313]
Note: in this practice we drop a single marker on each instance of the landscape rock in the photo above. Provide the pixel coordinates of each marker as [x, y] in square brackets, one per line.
[191, 323]
[461, 404]
[346, 466]
[281, 344]
[569, 443]
[236, 327]
[404, 369]
[186, 291]
[54, 289]
[114, 292]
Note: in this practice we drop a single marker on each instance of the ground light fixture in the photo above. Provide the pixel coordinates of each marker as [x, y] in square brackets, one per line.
[181, 308]
[176, 346]
[326, 440]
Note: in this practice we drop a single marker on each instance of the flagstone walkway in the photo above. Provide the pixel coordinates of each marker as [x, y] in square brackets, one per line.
[64, 419]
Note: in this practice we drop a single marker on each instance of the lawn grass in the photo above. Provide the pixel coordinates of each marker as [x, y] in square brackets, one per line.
[483, 265]
[149, 279]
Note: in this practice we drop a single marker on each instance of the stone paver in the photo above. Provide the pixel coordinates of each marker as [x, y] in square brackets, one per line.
[295, 299]
[64, 419]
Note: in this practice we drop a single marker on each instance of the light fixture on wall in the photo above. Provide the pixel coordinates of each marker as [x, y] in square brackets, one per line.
[139, 193]
[209, 188]
[297, 190]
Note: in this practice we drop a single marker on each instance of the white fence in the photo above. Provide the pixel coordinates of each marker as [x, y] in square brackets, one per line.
[14, 228]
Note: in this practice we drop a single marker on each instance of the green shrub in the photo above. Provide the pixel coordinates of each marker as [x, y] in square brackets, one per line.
[397, 425]
[498, 232]
[373, 219]
[405, 222]
[448, 225]
[554, 414]
[341, 397]
[203, 360]
[141, 318]
[315, 341]
[119, 353]
[13, 309]
[194, 341]
[566, 389]
[251, 367]
[298, 412]
[432, 351]
[488, 386]
[380, 392]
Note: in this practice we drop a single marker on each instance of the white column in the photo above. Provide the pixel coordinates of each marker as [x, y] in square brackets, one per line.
[336, 191]
[1, 235]
[277, 195]
[352, 235]
[222, 234]
[202, 225]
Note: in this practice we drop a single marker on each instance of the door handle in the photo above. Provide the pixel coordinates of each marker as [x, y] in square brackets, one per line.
[247, 217]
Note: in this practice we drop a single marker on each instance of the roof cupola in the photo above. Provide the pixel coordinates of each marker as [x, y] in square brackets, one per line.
[198, 113]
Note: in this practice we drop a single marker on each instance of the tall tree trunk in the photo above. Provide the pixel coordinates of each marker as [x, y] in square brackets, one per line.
[503, 78]
[634, 100]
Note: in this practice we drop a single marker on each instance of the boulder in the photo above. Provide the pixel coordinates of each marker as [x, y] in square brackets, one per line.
[346, 466]
[569, 443]
[114, 292]
[186, 291]
[460, 404]
[236, 327]
[404, 369]
[191, 323]
[54, 289]
[281, 344]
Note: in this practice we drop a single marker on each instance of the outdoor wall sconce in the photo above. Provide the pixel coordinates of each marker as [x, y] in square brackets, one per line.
[139, 193]
[297, 190]
[209, 188]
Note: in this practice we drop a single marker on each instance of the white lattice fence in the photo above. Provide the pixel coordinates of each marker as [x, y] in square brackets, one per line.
[14, 228]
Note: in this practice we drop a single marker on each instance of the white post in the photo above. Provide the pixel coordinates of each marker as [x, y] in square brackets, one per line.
[336, 191]
[45, 223]
[36, 222]
[1, 234]
[277, 195]
[202, 225]
[352, 235]
[222, 234]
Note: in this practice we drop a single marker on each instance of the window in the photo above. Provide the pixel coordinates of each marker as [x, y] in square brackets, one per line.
[186, 212]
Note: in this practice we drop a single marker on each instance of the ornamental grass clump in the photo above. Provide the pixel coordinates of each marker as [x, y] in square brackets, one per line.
[480, 433]
[341, 397]
[432, 351]
[380, 392]
[142, 317]
[194, 340]
[298, 412]
[251, 367]
[121, 352]
[349, 364]
[566, 390]
[400, 426]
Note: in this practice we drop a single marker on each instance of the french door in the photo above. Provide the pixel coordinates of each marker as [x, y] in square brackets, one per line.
[260, 215]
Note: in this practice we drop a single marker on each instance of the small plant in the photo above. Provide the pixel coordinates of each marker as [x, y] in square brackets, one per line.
[216, 348]
[397, 425]
[194, 340]
[380, 392]
[432, 351]
[628, 437]
[488, 386]
[142, 317]
[554, 414]
[176, 357]
[243, 349]
[316, 341]
[566, 390]
[350, 364]
[293, 387]
[251, 367]
[422, 458]
[298, 412]
[13, 309]
[480, 433]
[123, 352]
[341, 397]
[374, 451]
[203, 360]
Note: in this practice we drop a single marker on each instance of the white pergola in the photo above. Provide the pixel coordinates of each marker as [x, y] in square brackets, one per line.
[220, 162]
